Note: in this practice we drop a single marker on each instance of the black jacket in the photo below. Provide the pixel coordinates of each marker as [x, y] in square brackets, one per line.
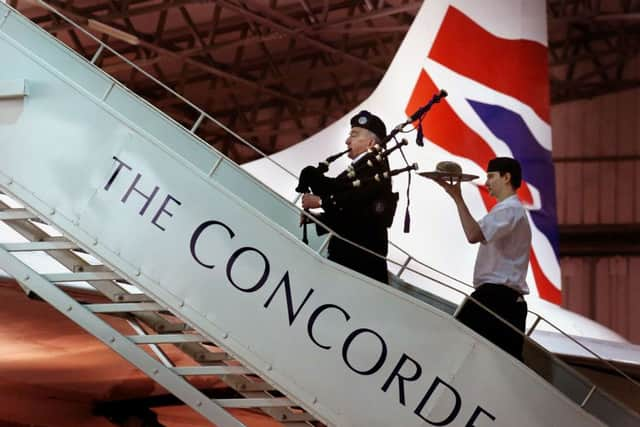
[362, 215]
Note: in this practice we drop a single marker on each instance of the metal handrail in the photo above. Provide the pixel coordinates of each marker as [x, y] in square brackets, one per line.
[332, 234]
[202, 114]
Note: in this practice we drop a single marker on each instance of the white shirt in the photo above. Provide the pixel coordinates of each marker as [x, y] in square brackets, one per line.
[358, 157]
[503, 257]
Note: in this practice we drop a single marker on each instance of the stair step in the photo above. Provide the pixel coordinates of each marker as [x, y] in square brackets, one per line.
[212, 370]
[90, 268]
[124, 307]
[166, 338]
[40, 246]
[124, 297]
[15, 214]
[81, 277]
[274, 402]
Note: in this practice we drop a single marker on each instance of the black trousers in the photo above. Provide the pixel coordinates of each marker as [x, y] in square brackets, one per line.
[360, 261]
[506, 303]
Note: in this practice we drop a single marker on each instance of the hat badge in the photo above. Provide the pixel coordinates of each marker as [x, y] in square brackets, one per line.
[362, 120]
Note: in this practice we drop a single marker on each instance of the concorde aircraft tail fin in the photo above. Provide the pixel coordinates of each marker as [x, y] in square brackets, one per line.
[492, 61]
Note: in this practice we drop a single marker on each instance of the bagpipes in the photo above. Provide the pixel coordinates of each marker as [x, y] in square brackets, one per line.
[312, 179]
[379, 177]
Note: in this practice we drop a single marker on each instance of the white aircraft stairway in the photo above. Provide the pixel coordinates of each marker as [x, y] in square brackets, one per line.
[126, 200]
[143, 315]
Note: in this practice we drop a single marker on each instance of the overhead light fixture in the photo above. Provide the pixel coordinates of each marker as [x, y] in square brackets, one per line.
[112, 32]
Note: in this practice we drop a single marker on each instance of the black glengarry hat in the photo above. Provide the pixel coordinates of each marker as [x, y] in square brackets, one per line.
[507, 164]
[371, 122]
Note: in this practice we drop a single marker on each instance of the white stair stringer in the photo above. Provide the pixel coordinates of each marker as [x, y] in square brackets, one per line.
[137, 308]
[202, 238]
[122, 345]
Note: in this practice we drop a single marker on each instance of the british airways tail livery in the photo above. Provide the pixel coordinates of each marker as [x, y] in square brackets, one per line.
[492, 61]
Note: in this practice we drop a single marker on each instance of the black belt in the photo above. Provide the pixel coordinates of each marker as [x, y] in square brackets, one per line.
[518, 295]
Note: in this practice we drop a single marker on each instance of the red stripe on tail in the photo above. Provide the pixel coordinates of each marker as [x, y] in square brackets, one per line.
[468, 49]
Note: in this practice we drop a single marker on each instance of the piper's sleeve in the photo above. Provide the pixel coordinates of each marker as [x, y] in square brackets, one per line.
[359, 196]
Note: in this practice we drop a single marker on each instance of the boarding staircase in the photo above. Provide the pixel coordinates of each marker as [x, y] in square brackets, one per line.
[151, 324]
[193, 251]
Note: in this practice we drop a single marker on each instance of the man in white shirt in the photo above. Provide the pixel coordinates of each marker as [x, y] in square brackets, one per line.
[503, 258]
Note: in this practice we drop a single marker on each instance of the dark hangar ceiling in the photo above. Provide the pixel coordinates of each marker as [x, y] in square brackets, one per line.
[277, 71]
